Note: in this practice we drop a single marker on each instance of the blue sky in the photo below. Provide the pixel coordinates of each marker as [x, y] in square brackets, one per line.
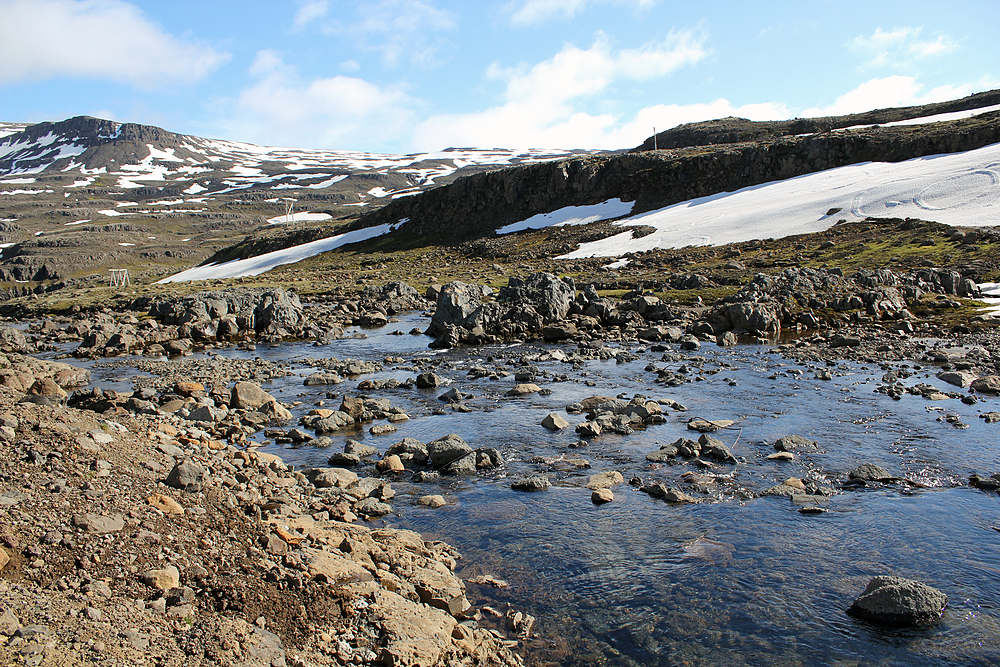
[417, 75]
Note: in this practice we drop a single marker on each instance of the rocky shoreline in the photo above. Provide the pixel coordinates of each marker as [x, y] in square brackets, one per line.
[140, 528]
[127, 540]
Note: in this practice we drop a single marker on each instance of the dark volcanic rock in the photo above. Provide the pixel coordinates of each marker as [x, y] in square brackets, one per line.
[896, 601]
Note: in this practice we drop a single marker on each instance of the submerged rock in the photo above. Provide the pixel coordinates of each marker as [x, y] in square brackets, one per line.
[894, 600]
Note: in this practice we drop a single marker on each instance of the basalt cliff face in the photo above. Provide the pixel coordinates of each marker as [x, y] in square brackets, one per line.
[479, 204]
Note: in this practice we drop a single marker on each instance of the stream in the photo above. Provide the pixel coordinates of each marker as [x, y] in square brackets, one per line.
[734, 580]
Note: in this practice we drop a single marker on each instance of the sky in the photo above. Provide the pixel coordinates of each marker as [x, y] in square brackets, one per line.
[408, 76]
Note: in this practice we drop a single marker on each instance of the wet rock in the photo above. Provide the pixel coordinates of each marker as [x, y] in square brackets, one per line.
[991, 483]
[533, 483]
[433, 501]
[410, 449]
[602, 496]
[794, 443]
[894, 600]
[706, 426]
[869, 472]
[589, 429]
[605, 480]
[524, 388]
[390, 463]
[783, 489]
[429, 380]
[715, 449]
[957, 378]
[989, 384]
[447, 449]
[668, 494]
[554, 422]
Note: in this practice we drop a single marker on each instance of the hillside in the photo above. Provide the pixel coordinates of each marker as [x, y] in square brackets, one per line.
[84, 195]
[477, 205]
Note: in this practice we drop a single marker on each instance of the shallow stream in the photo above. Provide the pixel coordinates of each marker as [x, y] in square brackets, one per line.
[729, 581]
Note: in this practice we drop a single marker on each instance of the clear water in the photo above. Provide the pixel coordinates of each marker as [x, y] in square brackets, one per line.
[726, 582]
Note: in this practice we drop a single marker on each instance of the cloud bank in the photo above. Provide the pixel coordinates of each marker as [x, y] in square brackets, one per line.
[96, 39]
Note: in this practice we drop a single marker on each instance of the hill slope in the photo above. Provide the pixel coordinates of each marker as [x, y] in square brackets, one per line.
[476, 205]
[86, 193]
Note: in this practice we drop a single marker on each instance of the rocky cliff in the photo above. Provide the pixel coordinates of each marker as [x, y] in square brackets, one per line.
[736, 130]
[477, 205]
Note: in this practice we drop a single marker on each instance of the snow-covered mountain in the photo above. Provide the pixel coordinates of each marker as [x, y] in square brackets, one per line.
[86, 192]
[129, 157]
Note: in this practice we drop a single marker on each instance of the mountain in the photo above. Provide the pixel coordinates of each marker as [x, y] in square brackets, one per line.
[88, 194]
[85, 195]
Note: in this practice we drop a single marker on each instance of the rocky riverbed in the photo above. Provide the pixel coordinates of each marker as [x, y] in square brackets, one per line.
[241, 505]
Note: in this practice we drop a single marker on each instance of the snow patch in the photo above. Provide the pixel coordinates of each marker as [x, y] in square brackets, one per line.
[572, 215]
[253, 266]
[961, 189]
[298, 217]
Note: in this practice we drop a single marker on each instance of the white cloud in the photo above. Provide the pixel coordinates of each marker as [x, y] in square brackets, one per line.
[533, 12]
[310, 12]
[890, 91]
[542, 106]
[397, 30]
[337, 112]
[102, 39]
[899, 45]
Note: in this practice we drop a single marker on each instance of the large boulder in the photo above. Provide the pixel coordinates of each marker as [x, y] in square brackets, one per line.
[894, 600]
[248, 396]
[526, 305]
[447, 449]
[549, 295]
[394, 297]
[457, 302]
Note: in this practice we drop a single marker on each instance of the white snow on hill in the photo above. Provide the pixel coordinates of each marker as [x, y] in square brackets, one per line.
[572, 215]
[960, 189]
[253, 266]
[299, 217]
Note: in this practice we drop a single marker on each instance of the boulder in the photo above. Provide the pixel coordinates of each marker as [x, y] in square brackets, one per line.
[715, 449]
[248, 396]
[869, 472]
[602, 496]
[894, 600]
[605, 480]
[447, 449]
[794, 443]
[187, 475]
[989, 384]
[533, 483]
[554, 422]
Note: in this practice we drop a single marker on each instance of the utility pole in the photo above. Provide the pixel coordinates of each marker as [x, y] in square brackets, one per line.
[654, 138]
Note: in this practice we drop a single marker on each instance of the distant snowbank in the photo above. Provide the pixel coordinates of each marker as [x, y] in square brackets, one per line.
[961, 189]
[572, 215]
[991, 293]
[253, 266]
[298, 217]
